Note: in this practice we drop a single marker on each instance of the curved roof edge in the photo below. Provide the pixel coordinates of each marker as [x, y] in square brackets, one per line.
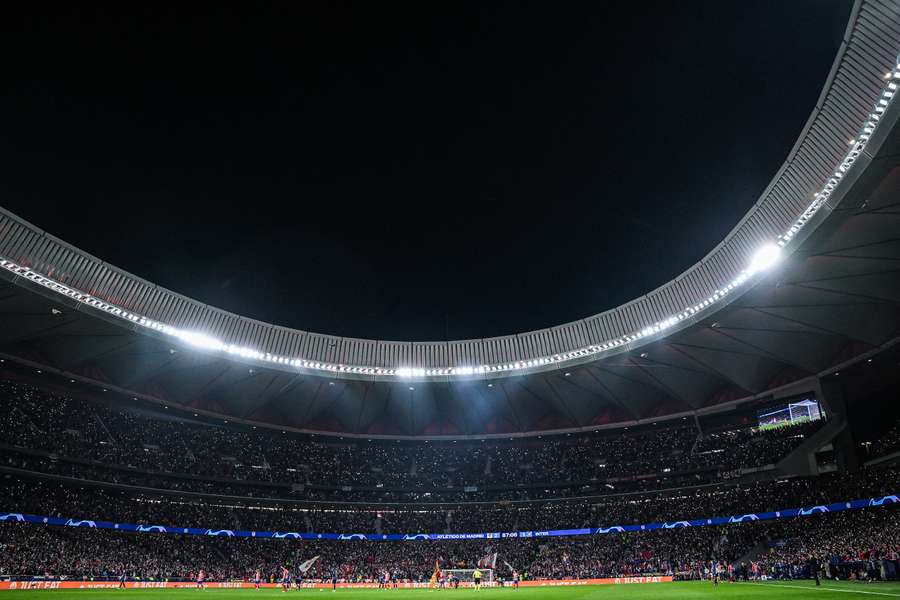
[859, 88]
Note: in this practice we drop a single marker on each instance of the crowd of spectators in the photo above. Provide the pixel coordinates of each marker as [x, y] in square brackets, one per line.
[43, 462]
[54, 551]
[835, 539]
[851, 544]
[122, 505]
[887, 443]
[89, 459]
[74, 437]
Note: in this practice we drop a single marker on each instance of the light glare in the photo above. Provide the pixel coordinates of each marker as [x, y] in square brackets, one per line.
[765, 258]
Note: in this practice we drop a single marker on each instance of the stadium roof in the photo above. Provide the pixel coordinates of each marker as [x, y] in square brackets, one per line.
[805, 282]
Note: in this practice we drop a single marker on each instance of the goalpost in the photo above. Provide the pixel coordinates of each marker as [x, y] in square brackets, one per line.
[465, 575]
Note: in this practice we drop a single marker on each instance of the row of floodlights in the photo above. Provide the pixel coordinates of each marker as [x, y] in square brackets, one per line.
[764, 258]
[857, 144]
[767, 256]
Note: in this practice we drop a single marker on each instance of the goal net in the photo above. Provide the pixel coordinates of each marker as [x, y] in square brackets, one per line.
[465, 575]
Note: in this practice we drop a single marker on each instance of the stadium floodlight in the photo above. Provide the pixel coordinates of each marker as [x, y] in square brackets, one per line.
[764, 258]
[200, 340]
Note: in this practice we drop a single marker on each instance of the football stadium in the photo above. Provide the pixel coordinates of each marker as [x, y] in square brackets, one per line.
[732, 431]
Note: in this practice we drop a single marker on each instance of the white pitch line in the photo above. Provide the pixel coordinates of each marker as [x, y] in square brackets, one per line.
[828, 589]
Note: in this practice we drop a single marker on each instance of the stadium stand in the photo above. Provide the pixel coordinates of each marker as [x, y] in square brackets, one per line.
[886, 444]
[118, 505]
[90, 440]
[845, 542]
[90, 458]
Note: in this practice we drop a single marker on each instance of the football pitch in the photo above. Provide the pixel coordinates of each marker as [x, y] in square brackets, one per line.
[789, 590]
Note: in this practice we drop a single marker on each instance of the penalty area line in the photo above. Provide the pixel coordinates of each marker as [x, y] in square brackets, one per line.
[827, 589]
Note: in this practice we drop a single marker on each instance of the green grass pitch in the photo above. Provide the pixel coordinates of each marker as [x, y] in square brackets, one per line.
[789, 590]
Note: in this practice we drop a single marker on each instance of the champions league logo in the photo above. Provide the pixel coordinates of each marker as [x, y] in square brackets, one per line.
[225, 532]
[12, 517]
[883, 501]
[352, 536]
[811, 511]
[415, 536]
[676, 525]
[613, 529]
[289, 535]
[152, 528]
[742, 518]
[74, 523]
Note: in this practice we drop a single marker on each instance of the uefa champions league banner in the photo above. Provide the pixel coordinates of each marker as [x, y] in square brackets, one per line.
[746, 518]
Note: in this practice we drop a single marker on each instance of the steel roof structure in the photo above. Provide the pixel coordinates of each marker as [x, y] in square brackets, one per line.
[727, 329]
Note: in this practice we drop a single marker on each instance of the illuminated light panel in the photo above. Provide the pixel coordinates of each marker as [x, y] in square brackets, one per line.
[764, 258]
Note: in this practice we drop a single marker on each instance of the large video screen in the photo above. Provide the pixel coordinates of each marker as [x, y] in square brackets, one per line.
[790, 413]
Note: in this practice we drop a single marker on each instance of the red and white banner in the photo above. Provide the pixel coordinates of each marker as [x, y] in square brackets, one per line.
[94, 585]
[488, 562]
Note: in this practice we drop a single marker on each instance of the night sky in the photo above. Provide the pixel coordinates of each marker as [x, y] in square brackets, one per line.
[431, 170]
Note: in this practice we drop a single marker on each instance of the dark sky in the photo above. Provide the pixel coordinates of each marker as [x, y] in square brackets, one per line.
[429, 170]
